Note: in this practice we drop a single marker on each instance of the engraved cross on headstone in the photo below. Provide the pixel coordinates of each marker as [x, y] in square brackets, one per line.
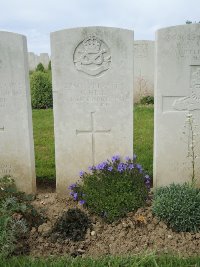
[184, 103]
[92, 131]
[1, 128]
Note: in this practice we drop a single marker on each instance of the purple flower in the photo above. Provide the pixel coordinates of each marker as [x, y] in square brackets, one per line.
[110, 168]
[72, 186]
[127, 158]
[102, 165]
[75, 196]
[148, 186]
[138, 166]
[91, 168]
[81, 173]
[120, 167]
[147, 177]
[115, 158]
[82, 202]
[131, 166]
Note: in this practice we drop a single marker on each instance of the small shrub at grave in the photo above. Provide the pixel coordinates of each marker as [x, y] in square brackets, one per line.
[41, 90]
[40, 67]
[147, 100]
[72, 225]
[179, 206]
[49, 65]
[17, 216]
[112, 188]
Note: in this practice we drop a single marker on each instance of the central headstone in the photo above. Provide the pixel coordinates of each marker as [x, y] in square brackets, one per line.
[92, 72]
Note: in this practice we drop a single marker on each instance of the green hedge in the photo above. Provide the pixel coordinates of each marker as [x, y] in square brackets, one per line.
[41, 90]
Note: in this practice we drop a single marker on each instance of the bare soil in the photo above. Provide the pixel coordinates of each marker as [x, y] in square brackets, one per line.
[136, 233]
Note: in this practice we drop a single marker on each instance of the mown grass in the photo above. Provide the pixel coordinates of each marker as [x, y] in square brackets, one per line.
[44, 143]
[149, 260]
[44, 140]
[143, 136]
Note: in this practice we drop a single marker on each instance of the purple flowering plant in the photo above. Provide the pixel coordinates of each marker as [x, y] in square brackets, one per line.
[112, 188]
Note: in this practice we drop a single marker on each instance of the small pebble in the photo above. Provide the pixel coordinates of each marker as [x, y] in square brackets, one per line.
[93, 233]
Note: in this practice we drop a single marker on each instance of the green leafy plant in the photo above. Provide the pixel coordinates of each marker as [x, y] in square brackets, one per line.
[41, 90]
[112, 188]
[12, 226]
[147, 100]
[73, 224]
[40, 67]
[192, 135]
[49, 66]
[179, 206]
[17, 216]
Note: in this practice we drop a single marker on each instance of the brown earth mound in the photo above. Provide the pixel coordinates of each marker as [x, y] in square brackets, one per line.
[136, 233]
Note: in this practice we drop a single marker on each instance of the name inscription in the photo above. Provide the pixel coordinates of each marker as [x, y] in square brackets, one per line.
[183, 45]
[11, 89]
[5, 169]
[101, 94]
[2, 102]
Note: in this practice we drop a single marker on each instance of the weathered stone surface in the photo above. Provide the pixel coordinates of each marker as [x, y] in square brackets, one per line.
[93, 90]
[16, 134]
[177, 92]
[143, 69]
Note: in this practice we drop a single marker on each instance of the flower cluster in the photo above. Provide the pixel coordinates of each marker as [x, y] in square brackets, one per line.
[113, 166]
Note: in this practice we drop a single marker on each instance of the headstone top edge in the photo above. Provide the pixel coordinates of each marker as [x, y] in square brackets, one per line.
[144, 41]
[89, 27]
[181, 26]
[13, 34]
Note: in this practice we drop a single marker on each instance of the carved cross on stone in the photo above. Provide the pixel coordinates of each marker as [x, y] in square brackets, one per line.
[1, 128]
[93, 131]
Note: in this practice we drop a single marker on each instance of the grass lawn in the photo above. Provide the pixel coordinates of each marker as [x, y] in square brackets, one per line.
[149, 260]
[44, 143]
[143, 136]
[44, 140]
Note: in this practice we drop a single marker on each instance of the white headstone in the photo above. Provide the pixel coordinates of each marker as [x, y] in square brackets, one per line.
[143, 69]
[44, 59]
[33, 61]
[177, 93]
[16, 134]
[92, 90]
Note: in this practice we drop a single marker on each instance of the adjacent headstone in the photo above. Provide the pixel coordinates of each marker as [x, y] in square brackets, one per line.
[143, 69]
[16, 133]
[92, 72]
[177, 93]
[34, 60]
[44, 59]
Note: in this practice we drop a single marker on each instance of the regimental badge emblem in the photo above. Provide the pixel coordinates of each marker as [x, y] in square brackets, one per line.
[92, 56]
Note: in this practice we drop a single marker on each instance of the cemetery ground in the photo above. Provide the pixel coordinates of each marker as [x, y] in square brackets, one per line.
[151, 241]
